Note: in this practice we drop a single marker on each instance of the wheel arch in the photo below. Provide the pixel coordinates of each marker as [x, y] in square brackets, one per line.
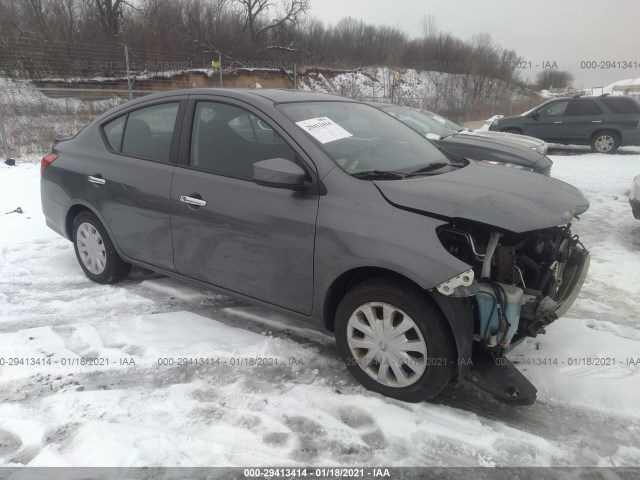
[457, 311]
[513, 129]
[72, 213]
[80, 206]
[604, 129]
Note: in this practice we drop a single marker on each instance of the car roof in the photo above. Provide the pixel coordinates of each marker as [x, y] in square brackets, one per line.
[265, 96]
[272, 94]
[382, 104]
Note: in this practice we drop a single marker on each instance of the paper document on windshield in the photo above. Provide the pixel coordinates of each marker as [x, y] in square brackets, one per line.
[324, 129]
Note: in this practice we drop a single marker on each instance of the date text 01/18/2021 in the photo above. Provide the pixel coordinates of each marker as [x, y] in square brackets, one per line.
[329, 472]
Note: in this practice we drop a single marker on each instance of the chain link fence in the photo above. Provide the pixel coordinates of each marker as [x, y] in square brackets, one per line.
[48, 91]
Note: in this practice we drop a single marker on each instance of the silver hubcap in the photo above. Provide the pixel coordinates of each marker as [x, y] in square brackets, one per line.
[387, 344]
[604, 143]
[91, 248]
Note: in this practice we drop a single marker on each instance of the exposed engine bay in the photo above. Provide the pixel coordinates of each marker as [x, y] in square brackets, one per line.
[521, 282]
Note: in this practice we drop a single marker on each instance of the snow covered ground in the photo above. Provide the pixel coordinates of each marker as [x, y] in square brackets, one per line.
[295, 406]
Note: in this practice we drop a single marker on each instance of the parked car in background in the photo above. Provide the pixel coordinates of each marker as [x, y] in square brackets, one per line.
[525, 141]
[523, 155]
[605, 122]
[634, 197]
[334, 213]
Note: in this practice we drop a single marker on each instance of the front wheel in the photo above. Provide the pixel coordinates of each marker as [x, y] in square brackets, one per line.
[394, 341]
[605, 142]
[95, 251]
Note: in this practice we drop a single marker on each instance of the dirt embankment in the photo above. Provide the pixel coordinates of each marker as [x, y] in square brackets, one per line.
[193, 79]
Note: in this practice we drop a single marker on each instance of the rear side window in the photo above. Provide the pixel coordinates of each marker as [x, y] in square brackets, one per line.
[145, 133]
[582, 107]
[114, 130]
[149, 132]
[622, 105]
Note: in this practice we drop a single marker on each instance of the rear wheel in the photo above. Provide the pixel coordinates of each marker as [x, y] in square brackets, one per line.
[394, 341]
[605, 142]
[95, 251]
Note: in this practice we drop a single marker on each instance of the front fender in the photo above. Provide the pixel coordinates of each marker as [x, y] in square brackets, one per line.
[357, 227]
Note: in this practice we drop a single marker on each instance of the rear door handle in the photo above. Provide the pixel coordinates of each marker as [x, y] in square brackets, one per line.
[196, 202]
[97, 179]
[557, 122]
[596, 121]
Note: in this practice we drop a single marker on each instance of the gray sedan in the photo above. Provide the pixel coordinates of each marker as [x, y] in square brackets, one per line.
[426, 267]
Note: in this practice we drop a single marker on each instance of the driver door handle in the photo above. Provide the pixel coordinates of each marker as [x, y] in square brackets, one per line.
[196, 202]
[557, 122]
[97, 179]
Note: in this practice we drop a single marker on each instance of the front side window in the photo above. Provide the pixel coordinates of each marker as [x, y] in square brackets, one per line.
[361, 138]
[228, 140]
[149, 132]
[556, 109]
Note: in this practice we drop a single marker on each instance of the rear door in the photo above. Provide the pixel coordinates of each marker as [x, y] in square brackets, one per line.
[251, 239]
[129, 180]
[582, 117]
[549, 125]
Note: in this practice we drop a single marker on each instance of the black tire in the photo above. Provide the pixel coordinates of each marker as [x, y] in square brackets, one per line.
[440, 356]
[115, 269]
[512, 130]
[606, 141]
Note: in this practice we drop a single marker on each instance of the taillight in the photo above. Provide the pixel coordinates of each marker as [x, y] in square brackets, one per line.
[48, 160]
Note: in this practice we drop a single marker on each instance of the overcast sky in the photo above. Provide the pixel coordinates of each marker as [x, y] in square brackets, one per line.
[561, 31]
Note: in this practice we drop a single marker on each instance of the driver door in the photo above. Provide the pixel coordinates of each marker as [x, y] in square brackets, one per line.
[251, 239]
[550, 124]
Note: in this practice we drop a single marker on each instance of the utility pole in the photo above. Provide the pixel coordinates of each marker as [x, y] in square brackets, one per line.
[126, 59]
[220, 67]
[3, 135]
[295, 76]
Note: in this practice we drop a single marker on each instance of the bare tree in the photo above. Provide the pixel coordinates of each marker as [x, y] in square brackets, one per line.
[264, 17]
[429, 26]
[548, 79]
[107, 14]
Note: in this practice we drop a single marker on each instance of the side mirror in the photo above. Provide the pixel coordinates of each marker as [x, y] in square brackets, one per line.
[535, 115]
[280, 173]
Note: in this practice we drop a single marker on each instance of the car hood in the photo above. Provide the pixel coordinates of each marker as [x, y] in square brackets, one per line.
[482, 141]
[522, 140]
[506, 198]
[504, 149]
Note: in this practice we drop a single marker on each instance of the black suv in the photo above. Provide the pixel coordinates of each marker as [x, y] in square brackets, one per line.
[605, 122]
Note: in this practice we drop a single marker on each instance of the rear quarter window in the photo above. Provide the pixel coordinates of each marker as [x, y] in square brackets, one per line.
[622, 105]
[113, 131]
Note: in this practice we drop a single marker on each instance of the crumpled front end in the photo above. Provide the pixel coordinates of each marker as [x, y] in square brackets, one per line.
[519, 284]
[522, 282]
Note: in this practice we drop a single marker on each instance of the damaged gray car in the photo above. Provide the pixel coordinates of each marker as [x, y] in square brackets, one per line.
[427, 267]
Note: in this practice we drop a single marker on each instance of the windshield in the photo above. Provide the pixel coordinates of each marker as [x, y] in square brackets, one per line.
[447, 123]
[419, 122]
[361, 138]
